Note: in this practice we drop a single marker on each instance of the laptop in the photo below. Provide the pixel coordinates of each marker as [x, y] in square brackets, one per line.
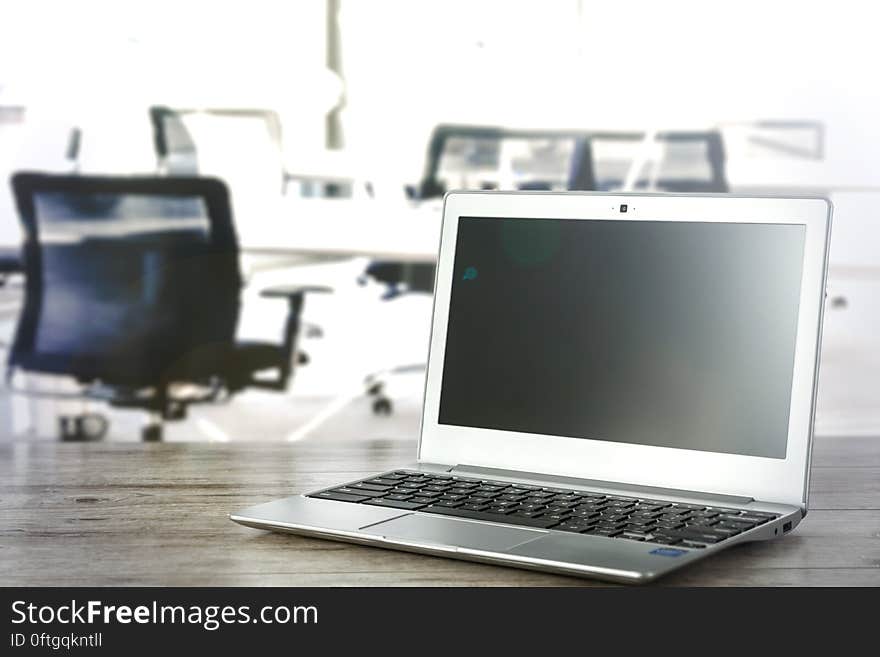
[617, 386]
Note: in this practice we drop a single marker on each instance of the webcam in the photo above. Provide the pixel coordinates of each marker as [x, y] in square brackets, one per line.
[624, 207]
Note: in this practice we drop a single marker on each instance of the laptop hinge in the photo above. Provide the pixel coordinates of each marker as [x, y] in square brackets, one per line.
[557, 480]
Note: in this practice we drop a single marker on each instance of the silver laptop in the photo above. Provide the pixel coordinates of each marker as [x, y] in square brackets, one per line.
[617, 386]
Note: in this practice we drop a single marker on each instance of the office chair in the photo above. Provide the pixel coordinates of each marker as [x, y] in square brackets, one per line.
[177, 149]
[132, 288]
[174, 146]
[691, 161]
[482, 157]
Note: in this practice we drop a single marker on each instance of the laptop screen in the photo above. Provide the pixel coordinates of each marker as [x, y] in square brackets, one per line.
[674, 334]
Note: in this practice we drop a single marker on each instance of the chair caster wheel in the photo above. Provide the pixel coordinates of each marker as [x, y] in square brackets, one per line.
[79, 428]
[152, 433]
[382, 406]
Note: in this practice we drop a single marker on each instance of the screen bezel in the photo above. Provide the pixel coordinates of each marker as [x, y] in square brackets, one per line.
[769, 479]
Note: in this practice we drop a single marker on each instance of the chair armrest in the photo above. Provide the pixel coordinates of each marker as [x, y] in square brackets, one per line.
[288, 291]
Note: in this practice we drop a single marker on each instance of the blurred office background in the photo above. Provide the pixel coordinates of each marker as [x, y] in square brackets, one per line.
[337, 124]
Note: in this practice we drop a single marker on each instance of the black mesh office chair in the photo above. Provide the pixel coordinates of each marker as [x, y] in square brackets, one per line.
[174, 146]
[691, 161]
[132, 288]
[177, 150]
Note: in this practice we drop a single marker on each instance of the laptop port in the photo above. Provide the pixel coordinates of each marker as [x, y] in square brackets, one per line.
[786, 527]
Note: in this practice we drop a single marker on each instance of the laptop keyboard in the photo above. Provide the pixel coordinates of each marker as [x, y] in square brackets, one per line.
[559, 509]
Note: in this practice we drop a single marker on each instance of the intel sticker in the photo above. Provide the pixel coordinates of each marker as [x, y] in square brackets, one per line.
[668, 552]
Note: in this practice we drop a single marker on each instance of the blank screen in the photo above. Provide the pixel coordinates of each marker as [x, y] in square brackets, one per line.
[673, 334]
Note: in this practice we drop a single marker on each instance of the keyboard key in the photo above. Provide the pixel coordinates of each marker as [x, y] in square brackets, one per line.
[645, 515]
[665, 540]
[718, 509]
[421, 500]
[702, 537]
[761, 514]
[676, 511]
[635, 536]
[397, 496]
[450, 503]
[670, 525]
[500, 510]
[382, 482]
[340, 497]
[362, 486]
[725, 531]
[345, 490]
[757, 520]
[394, 504]
[731, 521]
[599, 531]
[654, 504]
[575, 527]
[692, 544]
[480, 515]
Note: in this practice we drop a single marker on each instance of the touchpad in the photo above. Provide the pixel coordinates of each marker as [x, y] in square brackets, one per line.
[423, 529]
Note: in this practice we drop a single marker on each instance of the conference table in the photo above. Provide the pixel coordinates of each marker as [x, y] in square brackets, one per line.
[334, 228]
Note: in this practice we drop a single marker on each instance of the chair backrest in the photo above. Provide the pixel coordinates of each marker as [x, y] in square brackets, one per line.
[232, 143]
[174, 146]
[681, 161]
[126, 277]
[486, 157]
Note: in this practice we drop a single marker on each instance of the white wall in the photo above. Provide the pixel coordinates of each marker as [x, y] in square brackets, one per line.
[628, 63]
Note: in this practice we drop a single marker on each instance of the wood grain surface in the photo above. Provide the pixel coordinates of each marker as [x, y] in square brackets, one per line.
[156, 514]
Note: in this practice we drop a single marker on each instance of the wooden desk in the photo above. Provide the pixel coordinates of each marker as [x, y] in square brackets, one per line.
[139, 514]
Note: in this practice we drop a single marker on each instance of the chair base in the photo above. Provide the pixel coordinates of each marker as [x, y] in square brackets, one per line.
[152, 432]
[375, 386]
[83, 427]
